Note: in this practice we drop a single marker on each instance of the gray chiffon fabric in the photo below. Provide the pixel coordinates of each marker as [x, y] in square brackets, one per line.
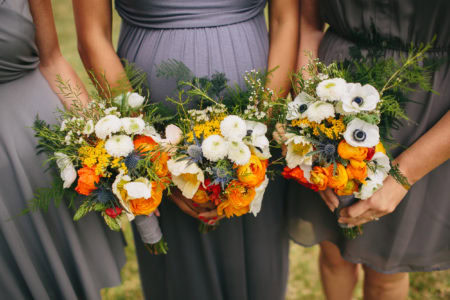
[42, 255]
[247, 257]
[416, 236]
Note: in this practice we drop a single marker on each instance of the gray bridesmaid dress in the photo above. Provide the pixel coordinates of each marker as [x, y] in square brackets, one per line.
[42, 255]
[416, 236]
[247, 257]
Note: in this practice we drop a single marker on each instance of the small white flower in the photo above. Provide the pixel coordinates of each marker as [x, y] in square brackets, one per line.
[110, 110]
[174, 135]
[187, 177]
[331, 89]
[238, 152]
[297, 149]
[297, 108]
[360, 98]
[361, 134]
[135, 100]
[119, 145]
[67, 170]
[233, 128]
[255, 205]
[107, 126]
[88, 128]
[67, 139]
[141, 188]
[319, 111]
[63, 125]
[133, 125]
[214, 148]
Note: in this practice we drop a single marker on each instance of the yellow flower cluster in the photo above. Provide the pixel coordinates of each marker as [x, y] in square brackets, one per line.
[332, 128]
[208, 128]
[97, 157]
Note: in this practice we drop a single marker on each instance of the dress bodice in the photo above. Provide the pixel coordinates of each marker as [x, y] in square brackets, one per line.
[394, 23]
[187, 14]
[18, 51]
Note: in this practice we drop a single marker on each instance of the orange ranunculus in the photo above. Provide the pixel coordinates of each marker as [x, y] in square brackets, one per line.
[147, 144]
[348, 189]
[380, 148]
[201, 196]
[357, 170]
[339, 179]
[238, 200]
[144, 143]
[347, 151]
[298, 175]
[319, 176]
[144, 206]
[253, 173]
[87, 180]
[160, 159]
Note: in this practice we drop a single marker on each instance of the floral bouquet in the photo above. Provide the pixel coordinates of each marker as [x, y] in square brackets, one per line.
[110, 159]
[223, 156]
[339, 124]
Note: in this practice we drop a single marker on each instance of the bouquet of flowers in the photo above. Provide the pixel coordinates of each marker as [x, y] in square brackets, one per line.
[340, 121]
[110, 159]
[223, 155]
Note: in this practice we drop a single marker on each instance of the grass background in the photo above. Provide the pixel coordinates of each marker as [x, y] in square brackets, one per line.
[304, 280]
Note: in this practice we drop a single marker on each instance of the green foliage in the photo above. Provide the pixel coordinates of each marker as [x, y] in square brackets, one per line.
[113, 223]
[399, 177]
[174, 69]
[159, 247]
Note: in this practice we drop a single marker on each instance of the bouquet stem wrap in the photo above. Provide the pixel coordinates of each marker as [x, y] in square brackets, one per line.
[148, 228]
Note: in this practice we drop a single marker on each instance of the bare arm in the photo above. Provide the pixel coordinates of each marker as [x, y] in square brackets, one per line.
[94, 31]
[52, 63]
[283, 42]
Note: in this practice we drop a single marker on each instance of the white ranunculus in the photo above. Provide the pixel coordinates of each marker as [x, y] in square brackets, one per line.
[297, 108]
[135, 100]
[255, 205]
[88, 128]
[174, 135]
[214, 148]
[238, 152]
[319, 111]
[331, 89]
[361, 134]
[140, 188]
[133, 125]
[297, 148]
[233, 128]
[186, 176]
[67, 170]
[119, 145]
[107, 126]
[151, 132]
[360, 98]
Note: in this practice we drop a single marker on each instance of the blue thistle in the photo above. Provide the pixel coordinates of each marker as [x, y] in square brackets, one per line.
[132, 160]
[104, 195]
[221, 176]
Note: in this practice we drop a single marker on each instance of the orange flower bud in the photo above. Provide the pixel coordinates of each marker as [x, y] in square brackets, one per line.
[357, 170]
[347, 151]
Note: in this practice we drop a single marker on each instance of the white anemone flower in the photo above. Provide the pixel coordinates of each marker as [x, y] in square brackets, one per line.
[296, 109]
[88, 128]
[135, 100]
[214, 148]
[186, 176]
[382, 162]
[119, 145]
[319, 111]
[255, 205]
[306, 168]
[360, 98]
[67, 170]
[233, 128]
[257, 140]
[107, 126]
[238, 152]
[140, 188]
[297, 149]
[331, 89]
[361, 134]
[133, 125]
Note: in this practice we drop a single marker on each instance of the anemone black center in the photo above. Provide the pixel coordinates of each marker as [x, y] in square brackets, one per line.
[249, 132]
[358, 100]
[303, 108]
[359, 135]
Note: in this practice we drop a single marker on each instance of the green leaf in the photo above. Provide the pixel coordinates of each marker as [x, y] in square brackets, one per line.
[112, 223]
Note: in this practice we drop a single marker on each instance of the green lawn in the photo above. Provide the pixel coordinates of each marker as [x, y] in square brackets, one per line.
[303, 279]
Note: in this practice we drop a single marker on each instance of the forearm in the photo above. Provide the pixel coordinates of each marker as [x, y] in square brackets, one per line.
[283, 35]
[428, 152]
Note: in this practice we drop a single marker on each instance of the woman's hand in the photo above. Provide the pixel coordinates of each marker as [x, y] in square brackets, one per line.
[383, 202]
[330, 198]
[279, 135]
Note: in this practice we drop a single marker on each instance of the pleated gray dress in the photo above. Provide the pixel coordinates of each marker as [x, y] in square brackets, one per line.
[416, 236]
[247, 257]
[42, 255]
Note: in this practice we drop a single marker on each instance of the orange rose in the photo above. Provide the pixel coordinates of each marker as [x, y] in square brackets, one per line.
[319, 176]
[253, 173]
[348, 189]
[238, 200]
[87, 180]
[144, 206]
[347, 151]
[357, 170]
[338, 180]
[147, 144]
[380, 148]
[200, 196]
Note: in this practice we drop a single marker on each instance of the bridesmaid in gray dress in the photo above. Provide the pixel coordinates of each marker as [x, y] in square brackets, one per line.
[42, 256]
[415, 236]
[247, 257]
